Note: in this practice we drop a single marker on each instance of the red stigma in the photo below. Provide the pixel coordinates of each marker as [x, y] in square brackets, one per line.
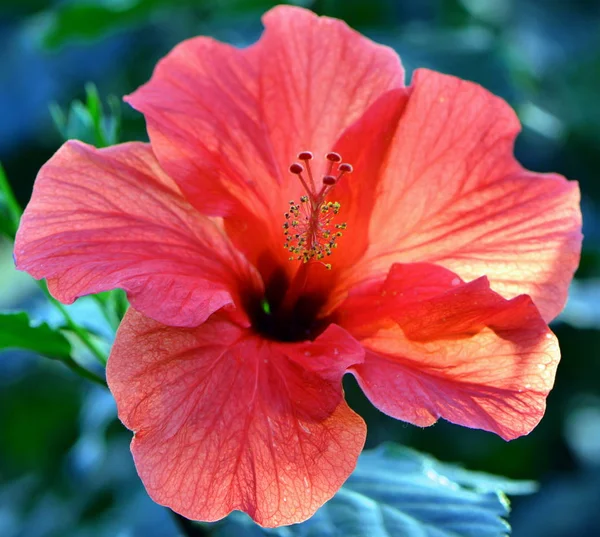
[305, 155]
[296, 168]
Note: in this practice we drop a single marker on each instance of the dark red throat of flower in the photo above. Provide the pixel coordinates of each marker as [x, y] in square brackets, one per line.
[310, 234]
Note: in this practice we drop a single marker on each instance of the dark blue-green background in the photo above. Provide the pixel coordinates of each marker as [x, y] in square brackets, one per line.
[65, 469]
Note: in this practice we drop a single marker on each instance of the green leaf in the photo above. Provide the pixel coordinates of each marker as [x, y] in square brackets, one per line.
[17, 332]
[92, 102]
[89, 20]
[59, 118]
[396, 491]
[92, 19]
[87, 121]
[113, 305]
[10, 211]
[80, 124]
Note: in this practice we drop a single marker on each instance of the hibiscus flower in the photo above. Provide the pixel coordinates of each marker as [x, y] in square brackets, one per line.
[300, 214]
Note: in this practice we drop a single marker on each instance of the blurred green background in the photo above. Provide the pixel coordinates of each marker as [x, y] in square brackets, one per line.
[65, 468]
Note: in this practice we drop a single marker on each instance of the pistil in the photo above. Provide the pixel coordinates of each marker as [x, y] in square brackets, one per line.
[309, 231]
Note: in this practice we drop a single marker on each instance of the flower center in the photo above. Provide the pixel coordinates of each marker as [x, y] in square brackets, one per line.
[298, 321]
[309, 232]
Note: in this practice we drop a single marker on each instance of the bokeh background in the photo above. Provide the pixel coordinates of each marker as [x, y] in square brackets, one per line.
[65, 468]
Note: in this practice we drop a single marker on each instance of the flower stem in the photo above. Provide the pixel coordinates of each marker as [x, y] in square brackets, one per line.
[81, 333]
[82, 371]
[109, 316]
[113, 306]
[15, 212]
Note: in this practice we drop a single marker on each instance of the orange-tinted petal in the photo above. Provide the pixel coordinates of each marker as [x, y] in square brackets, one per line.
[366, 144]
[226, 123]
[102, 219]
[224, 420]
[450, 192]
[443, 348]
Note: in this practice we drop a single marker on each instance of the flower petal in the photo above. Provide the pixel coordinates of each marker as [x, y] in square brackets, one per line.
[226, 123]
[224, 420]
[366, 144]
[111, 218]
[452, 193]
[448, 349]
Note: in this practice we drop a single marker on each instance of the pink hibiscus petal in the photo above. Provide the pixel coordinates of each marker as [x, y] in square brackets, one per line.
[226, 420]
[226, 123]
[102, 219]
[455, 350]
[448, 190]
